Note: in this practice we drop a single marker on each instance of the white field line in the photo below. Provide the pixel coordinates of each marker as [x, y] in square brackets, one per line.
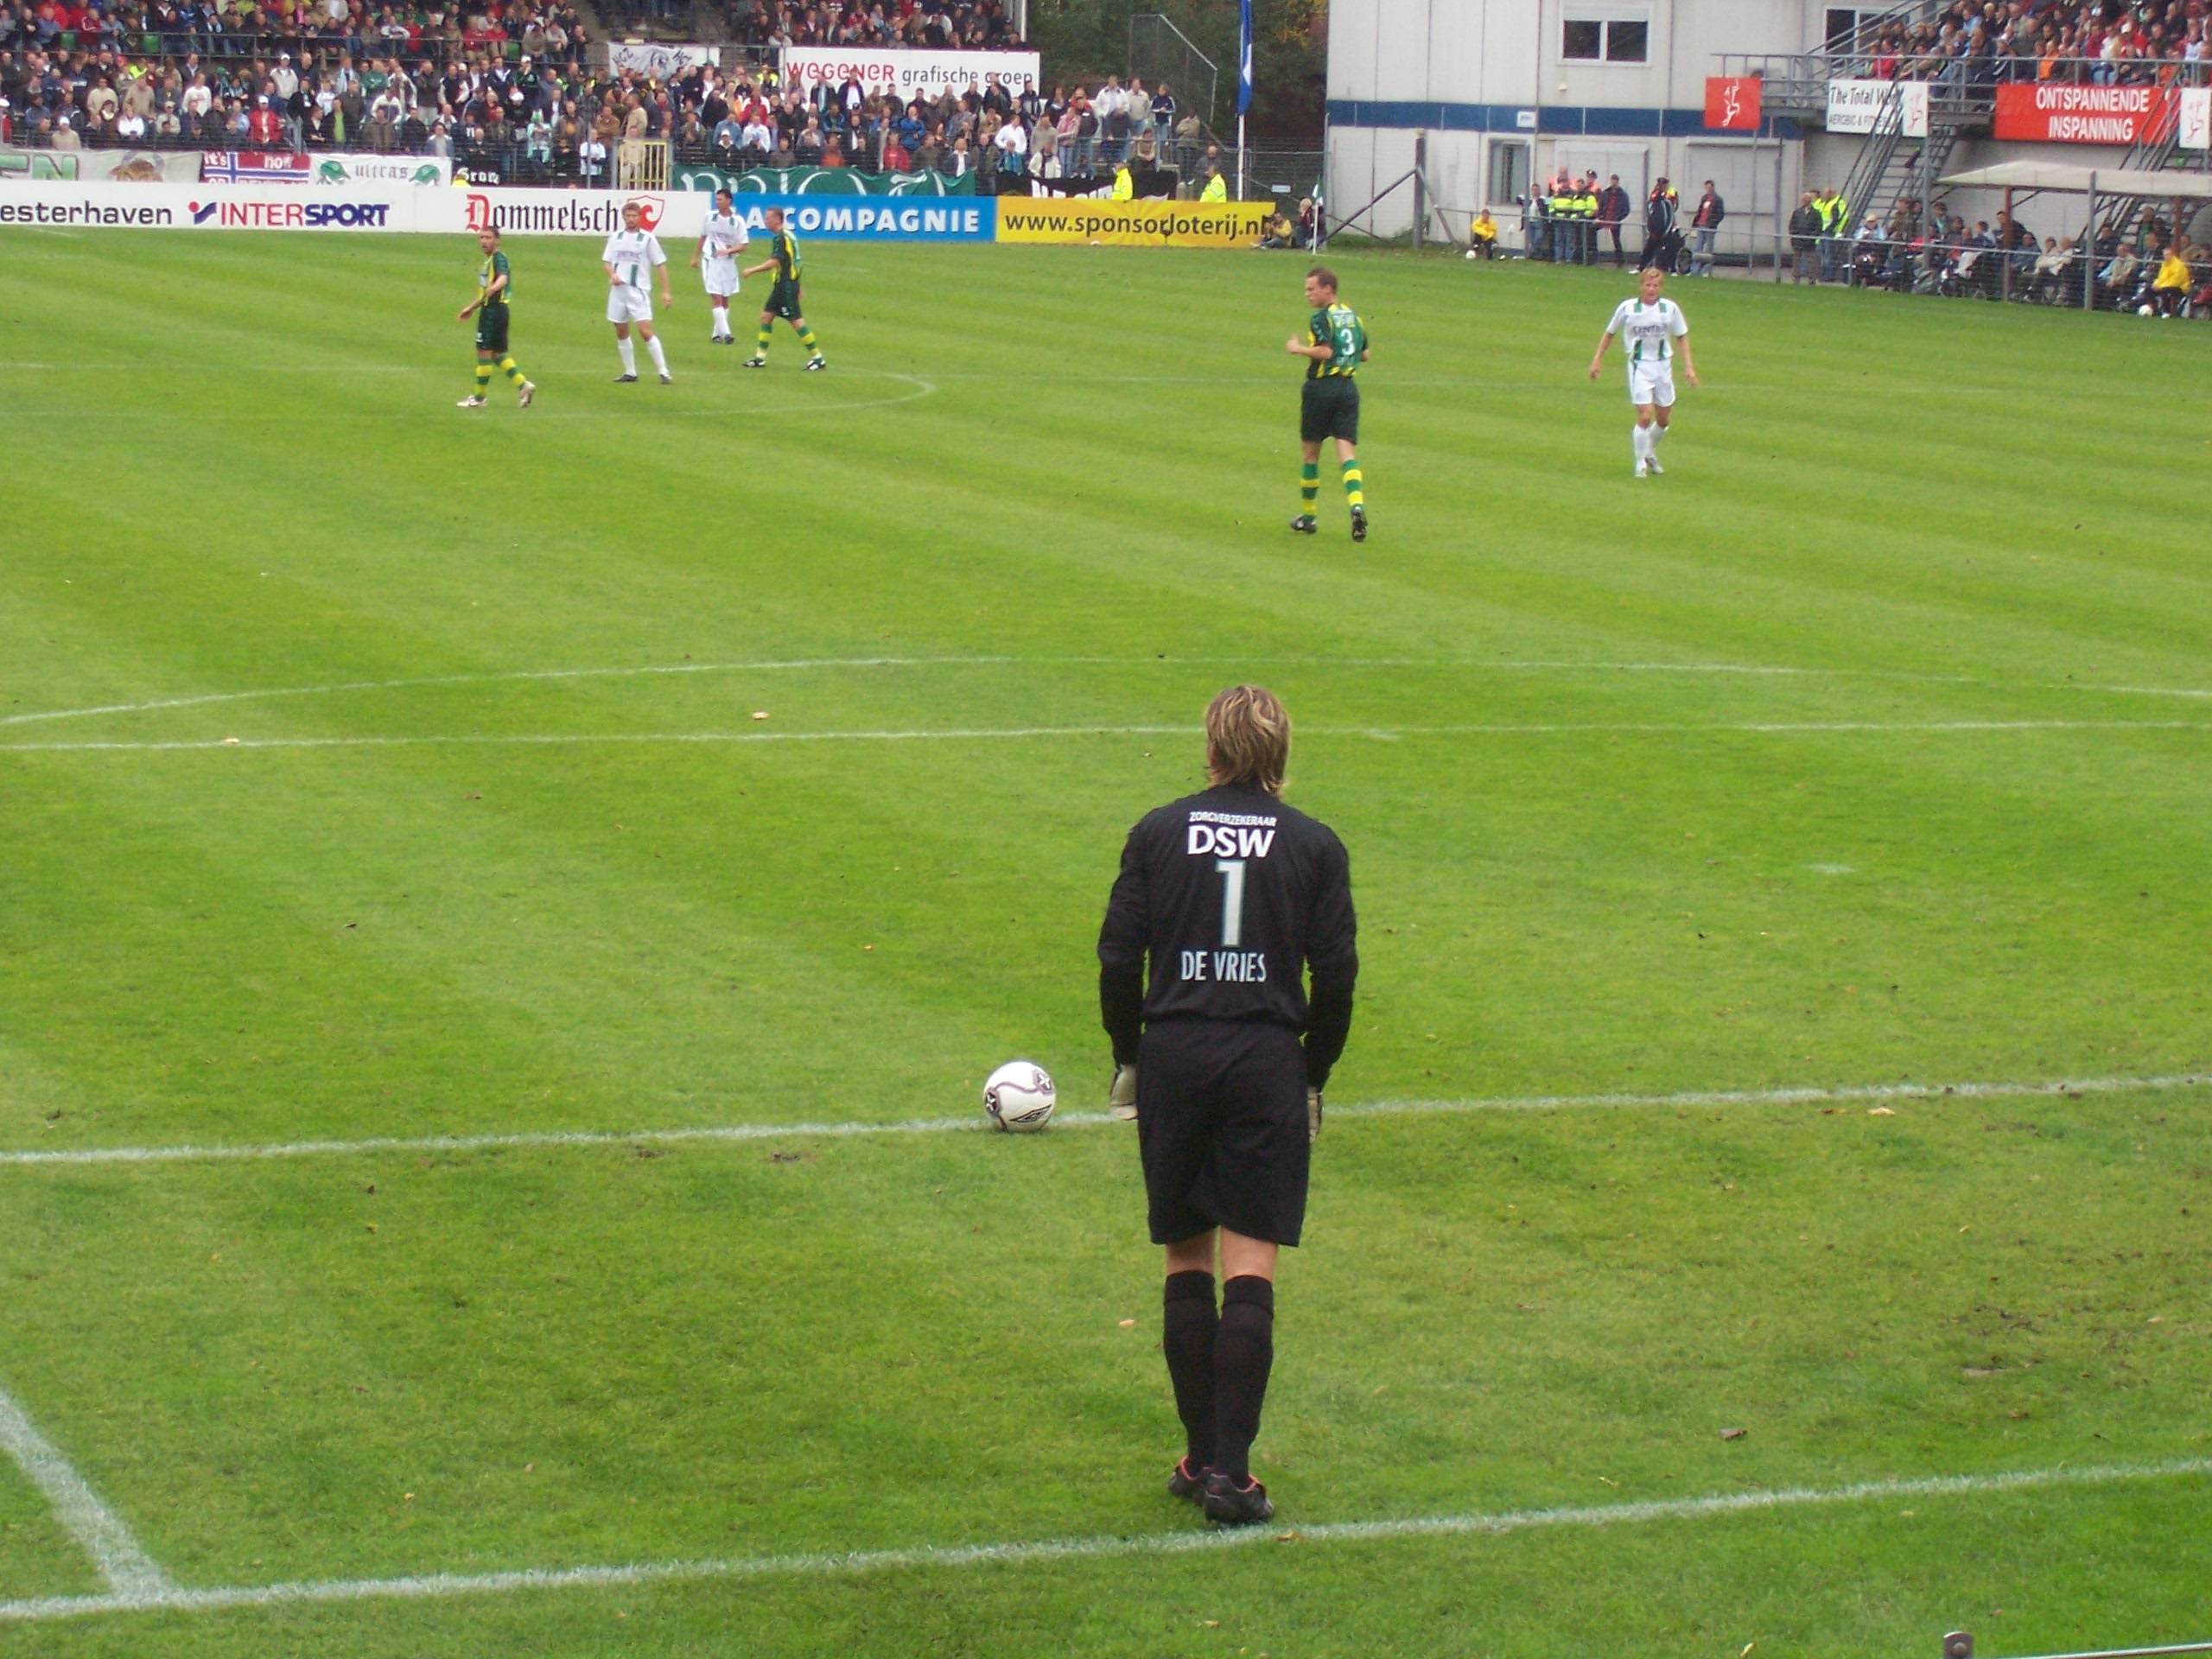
[780, 665]
[982, 733]
[1810, 1095]
[1047, 1551]
[130, 1574]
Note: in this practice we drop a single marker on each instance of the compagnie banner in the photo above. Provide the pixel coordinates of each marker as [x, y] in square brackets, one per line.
[911, 73]
[1133, 223]
[2045, 113]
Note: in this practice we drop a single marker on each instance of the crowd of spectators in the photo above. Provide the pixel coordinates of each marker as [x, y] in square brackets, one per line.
[511, 98]
[2099, 42]
[2143, 265]
[942, 25]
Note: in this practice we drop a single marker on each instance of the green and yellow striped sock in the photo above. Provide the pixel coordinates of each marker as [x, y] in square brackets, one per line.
[512, 373]
[483, 378]
[767, 336]
[1355, 486]
[806, 339]
[1309, 484]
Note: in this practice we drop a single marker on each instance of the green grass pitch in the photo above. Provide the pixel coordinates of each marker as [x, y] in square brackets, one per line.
[1866, 747]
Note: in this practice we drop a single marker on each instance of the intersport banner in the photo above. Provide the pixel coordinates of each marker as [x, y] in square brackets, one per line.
[909, 72]
[1133, 223]
[2047, 113]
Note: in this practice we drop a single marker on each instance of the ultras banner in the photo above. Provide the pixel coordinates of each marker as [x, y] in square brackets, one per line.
[1133, 223]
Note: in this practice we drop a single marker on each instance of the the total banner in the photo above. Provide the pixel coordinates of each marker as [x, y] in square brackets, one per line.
[2050, 114]
[1891, 106]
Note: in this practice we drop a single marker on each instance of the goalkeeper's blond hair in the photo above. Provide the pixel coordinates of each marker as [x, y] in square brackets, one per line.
[1248, 738]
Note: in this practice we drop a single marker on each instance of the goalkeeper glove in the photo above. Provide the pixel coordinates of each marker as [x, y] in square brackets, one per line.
[1312, 1116]
[1122, 1095]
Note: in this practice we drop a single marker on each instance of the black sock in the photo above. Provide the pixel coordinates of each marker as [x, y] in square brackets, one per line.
[1186, 1335]
[1243, 1353]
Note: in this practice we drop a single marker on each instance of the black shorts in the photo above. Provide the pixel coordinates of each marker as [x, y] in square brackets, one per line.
[1221, 1123]
[783, 302]
[1329, 408]
[492, 330]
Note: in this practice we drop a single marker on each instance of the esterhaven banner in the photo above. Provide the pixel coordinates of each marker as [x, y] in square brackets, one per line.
[1857, 106]
[1133, 223]
[2050, 114]
[910, 71]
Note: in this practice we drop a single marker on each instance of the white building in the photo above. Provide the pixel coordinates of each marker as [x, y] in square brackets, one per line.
[1504, 93]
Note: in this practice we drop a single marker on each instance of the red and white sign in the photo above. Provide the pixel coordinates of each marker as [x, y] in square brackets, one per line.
[1732, 103]
[2196, 118]
[2084, 115]
[910, 73]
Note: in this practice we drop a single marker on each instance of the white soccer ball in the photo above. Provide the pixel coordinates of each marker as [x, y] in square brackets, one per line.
[1020, 1096]
[2145, 311]
[1471, 253]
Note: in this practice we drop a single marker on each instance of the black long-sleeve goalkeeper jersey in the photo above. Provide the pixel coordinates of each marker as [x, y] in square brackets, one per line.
[1231, 896]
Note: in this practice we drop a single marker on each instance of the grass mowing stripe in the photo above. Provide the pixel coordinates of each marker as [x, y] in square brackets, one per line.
[1379, 733]
[1804, 1096]
[130, 1571]
[1047, 1551]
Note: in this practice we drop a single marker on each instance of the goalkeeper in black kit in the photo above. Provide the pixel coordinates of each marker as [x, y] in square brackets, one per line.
[1231, 898]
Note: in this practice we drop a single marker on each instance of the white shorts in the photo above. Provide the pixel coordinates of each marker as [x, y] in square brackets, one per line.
[626, 302]
[721, 275]
[1651, 383]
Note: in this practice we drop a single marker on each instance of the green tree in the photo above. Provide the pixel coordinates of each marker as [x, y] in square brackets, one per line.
[1083, 41]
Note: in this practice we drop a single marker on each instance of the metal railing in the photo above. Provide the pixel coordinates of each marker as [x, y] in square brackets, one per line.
[1962, 91]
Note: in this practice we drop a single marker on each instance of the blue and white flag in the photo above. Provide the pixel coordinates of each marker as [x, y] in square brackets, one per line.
[1243, 56]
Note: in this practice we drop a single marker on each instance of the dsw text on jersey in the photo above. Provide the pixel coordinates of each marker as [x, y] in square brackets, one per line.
[1231, 840]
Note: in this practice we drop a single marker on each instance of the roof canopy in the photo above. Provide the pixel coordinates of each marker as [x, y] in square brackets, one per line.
[2110, 181]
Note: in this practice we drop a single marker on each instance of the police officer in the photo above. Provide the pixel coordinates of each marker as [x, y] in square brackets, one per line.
[1231, 896]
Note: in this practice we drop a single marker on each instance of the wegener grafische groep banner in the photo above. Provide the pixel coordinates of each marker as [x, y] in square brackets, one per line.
[908, 72]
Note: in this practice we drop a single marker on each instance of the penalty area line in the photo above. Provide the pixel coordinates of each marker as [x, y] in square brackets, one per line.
[130, 1571]
[1050, 1551]
[1810, 1095]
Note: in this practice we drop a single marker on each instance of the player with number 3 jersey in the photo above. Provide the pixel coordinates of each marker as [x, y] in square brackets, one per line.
[1334, 347]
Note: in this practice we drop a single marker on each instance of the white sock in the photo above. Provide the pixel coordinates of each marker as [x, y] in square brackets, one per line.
[660, 357]
[1642, 442]
[629, 355]
[722, 322]
[1657, 433]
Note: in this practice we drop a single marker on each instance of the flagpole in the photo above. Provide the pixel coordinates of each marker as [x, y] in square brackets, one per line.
[1243, 89]
[1241, 172]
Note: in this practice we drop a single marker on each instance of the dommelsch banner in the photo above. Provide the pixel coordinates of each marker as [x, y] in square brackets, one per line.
[2047, 113]
[909, 72]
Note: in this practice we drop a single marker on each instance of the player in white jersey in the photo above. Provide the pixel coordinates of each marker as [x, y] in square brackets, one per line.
[1651, 330]
[720, 243]
[632, 254]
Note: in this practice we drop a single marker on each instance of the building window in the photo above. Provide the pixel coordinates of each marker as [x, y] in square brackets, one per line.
[1602, 34]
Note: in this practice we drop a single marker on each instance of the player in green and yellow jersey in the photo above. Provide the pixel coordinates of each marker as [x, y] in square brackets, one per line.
[494, 285]
[782, 299]
[1334, 347]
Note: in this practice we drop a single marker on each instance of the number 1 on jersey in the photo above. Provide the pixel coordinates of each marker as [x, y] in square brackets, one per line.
[1232, 871]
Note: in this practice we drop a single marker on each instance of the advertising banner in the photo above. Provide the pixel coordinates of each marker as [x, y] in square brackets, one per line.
[1860, 105]
[660, 62]
[1732, 103]
[1133, 223]
[2196, 118]
[196, 206]
[2050, 113]
[824, 181]
[120, 166]
[253, 166]
[335, 168]
[908, 72]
